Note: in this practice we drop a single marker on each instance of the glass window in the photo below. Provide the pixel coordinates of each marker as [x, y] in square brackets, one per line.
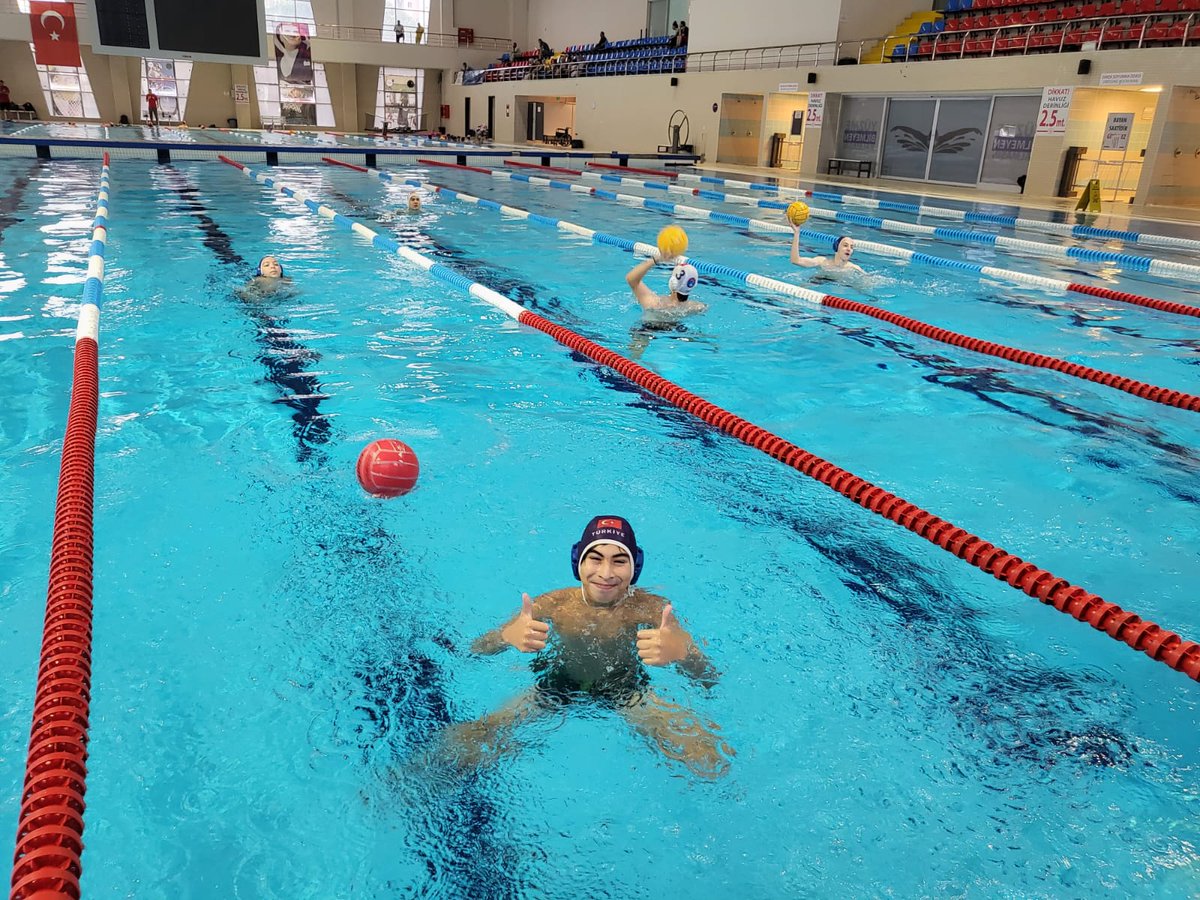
[169, 79]
[293, 102]
[859, 126]
[1014, 121]
[409, 13]
[67, 91]
[399, 99]
[906, 146]
[958, 142]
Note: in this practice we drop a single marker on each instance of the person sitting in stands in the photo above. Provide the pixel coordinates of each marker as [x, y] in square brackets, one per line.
[601, 44]
[544, 51]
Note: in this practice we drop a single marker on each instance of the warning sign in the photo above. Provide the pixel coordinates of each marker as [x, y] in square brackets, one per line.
[1056, 104]
[1090, 198]
[816, 109]
[1116, 131]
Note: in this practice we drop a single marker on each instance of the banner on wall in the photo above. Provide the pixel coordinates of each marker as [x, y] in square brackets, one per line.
[293, 56]
[1056, 104]
[815, 116]
[55, 35]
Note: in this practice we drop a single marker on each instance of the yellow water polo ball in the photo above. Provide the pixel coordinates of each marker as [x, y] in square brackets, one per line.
[797, 213]
[672, 241]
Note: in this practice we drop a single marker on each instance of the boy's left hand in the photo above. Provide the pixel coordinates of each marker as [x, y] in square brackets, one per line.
[666, 644]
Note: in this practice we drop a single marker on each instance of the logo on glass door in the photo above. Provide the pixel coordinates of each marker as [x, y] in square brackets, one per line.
[951, 142]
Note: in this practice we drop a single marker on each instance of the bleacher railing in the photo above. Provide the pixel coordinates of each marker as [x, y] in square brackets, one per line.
[428, 38]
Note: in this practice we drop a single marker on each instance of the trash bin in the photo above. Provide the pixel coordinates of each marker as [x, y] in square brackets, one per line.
[1066, 182]
[777, 140]
[231, 122]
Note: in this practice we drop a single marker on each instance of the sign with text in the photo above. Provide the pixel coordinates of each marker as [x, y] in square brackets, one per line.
[1121, 78]
[1116, 131]
[816, 109]
[241, 93]
[789, 87]
[1056, 104]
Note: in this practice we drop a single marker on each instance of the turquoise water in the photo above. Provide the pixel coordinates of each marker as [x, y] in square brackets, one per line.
[276, 653]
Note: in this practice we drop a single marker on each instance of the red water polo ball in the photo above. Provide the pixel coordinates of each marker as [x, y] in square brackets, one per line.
[388, 468]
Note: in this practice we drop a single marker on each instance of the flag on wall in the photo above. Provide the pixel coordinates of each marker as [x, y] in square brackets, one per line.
[55, 36]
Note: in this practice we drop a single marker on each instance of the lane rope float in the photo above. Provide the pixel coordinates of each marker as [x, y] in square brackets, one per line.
[889, 251]
[1154, 393]
[47, 861]
[958, 215]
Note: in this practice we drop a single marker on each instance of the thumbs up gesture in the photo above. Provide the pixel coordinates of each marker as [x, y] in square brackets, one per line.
[665, 644]
[525, 632]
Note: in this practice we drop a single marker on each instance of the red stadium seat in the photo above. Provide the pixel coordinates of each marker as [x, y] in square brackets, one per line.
[1053, 14]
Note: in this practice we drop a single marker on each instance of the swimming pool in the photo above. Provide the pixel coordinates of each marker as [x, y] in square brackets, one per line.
[274, 650]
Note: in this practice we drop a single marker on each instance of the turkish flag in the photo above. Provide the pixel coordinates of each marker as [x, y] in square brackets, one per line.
[55, 36]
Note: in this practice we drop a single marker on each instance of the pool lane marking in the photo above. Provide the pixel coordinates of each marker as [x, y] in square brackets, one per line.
[49, 839]
[1085, 232]
[1154, 393]
[1161, 268]
[679, 210]
[1157, 643]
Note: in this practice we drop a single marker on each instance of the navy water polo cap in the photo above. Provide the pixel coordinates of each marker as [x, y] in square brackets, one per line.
[608, 530]
[837, 241]
[270, 256]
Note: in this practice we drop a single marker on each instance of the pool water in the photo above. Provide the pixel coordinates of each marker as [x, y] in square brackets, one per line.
[277, 654]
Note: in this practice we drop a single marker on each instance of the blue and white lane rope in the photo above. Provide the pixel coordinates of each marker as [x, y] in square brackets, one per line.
[958, 215]
[1023, 357]
[1161, 268]
[437, 270]
[886, 250]
[93, 285]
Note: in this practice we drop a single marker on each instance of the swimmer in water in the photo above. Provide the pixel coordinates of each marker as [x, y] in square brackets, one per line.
[843, 248]
[666, 311]
[268, 279]
[414, 202]
[593, 644]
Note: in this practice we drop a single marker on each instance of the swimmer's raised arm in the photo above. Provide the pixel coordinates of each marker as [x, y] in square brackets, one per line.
[808, 262]
[523, 631]
[642, 293]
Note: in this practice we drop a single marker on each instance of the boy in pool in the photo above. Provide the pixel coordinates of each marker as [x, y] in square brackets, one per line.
[414, 202]
[593, 643]
[268, 279]
[843, 248]
[661, 313]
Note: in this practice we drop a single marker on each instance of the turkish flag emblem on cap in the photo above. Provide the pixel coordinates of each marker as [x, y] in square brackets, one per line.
[55, 35]
[611, 523]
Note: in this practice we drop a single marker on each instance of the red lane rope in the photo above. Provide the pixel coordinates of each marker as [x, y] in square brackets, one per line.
[1152, 392]
[49, 836]
[659, 172]
[529, 165]
[338, 162]
[1108, 294]
[1156, 642]
[446, 165]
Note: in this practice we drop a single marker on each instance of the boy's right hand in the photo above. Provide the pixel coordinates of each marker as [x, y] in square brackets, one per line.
[525, 632]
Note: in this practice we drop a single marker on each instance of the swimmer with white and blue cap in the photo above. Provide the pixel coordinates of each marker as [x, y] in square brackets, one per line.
[678, 301]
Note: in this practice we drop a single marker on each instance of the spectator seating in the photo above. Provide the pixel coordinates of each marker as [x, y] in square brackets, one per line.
[999, 27]
[636, 56]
